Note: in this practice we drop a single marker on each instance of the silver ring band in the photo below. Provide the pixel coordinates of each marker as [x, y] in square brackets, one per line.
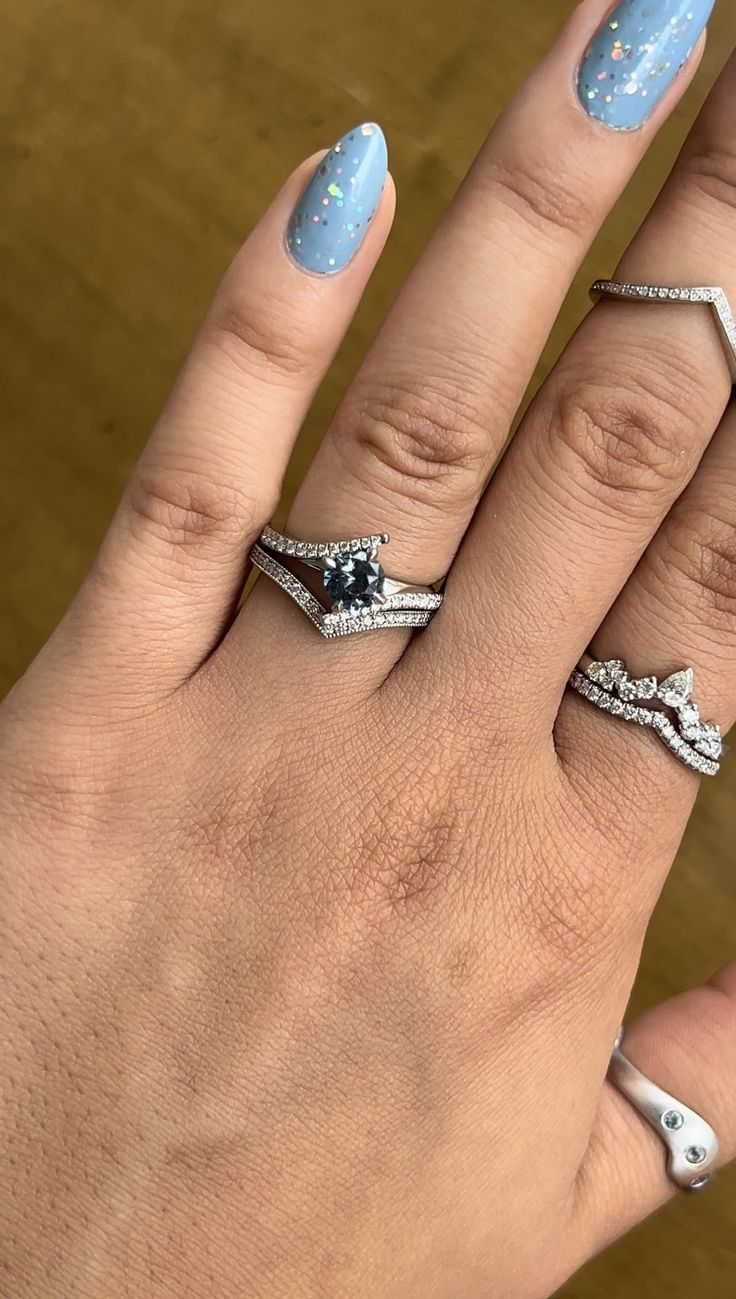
[691, 1142]
[609, 687]
[360, 595]
[713, 297]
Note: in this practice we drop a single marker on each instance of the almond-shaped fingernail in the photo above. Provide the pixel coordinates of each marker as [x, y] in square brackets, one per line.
[635, 57]
[330, 220]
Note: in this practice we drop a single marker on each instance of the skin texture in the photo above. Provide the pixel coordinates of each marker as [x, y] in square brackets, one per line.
[312, 955]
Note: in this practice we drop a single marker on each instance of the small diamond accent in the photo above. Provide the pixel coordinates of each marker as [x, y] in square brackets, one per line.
[606, 674]
[707, 740]
[645, 688]
[695, 1154]
[677, 689]
[673, 1120]
[603, 696]
[413, 600]
[274, 541]
[713, 297]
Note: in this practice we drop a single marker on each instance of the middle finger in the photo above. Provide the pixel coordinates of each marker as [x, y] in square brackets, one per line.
[411, 447]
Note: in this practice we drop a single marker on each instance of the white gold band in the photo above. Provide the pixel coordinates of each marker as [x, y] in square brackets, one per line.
[361, 596]
[712, 297]
[692, 1143]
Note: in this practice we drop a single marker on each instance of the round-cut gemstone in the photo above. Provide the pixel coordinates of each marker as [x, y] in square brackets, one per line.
[673, 1120]
[695, 1154]
[707, 740]
[354, 580]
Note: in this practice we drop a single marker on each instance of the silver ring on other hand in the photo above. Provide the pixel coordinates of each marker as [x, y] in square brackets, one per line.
[691, 1143]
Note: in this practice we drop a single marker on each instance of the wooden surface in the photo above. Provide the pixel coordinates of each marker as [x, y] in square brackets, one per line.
[139, 141]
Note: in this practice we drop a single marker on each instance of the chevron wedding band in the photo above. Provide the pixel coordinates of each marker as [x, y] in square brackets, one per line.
[714, 298]
[645, 701]
[358, 594]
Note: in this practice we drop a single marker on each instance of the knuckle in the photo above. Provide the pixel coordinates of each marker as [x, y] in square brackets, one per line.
[567, 914]
[575, 907]
[564, 907]
[626, 445]
[217, 833]
[543, 199]
[412, 850]
[424, 443]
[710, 174]
[702, 549]
[274, 348]
[406, 880]
[417, 855]
[186, 511]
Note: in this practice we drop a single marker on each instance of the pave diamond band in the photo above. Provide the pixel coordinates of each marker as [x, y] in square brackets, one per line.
[691, 1143]
[643, 700]
[359, 595]
[713, 297]
[283, 545]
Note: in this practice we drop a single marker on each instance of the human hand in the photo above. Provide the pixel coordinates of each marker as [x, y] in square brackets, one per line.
[314, 953]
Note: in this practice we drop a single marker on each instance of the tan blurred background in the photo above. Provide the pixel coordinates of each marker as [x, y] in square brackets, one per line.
[139, 142]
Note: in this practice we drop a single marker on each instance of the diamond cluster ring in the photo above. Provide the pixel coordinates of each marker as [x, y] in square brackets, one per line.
[644, 700]
[358, 594]
[691, 1142]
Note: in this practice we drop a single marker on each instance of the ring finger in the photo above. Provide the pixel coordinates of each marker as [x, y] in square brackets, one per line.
[613, 438]
[677, 610]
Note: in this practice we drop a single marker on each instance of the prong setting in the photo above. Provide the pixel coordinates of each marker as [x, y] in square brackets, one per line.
[608, 685]
[360, 596]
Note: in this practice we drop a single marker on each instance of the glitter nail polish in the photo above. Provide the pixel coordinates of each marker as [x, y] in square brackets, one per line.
[330, 220]
[636, 55]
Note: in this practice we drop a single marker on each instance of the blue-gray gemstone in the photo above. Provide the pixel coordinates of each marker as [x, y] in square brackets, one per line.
[355, 580]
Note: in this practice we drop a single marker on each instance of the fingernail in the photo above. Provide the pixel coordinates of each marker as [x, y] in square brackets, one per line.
[635, 57]
[332, 216]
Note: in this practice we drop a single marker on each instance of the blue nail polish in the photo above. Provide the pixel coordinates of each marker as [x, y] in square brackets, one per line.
[636, 55]
[330, 220]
